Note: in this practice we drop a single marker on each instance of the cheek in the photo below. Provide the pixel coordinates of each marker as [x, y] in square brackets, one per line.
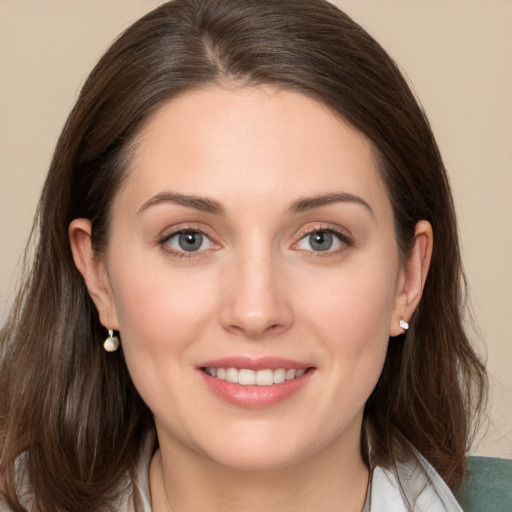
[351, 315]
[161, 316]
[159, 309]
[356, 302]
[352, 321]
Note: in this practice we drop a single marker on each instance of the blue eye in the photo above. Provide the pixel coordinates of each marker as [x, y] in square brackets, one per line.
[188, 241]
[322, 241]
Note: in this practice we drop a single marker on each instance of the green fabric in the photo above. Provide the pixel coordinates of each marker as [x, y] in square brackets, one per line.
[488, 486]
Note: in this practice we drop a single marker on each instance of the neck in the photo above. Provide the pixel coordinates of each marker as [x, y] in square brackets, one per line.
[332, 480]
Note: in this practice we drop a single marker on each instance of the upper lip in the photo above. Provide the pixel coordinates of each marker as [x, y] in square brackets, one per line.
[260, 363]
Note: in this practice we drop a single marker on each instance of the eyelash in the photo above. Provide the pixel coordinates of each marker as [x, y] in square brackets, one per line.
[339, 235]
[164, 243]
[342, 237]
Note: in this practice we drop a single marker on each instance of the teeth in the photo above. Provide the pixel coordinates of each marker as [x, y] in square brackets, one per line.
[265, 377]
[232, 375]
[279, 375]
[247, 377]
[290, 374]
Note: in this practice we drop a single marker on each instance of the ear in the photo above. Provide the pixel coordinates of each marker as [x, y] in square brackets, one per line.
[412, 277]
[93, 271]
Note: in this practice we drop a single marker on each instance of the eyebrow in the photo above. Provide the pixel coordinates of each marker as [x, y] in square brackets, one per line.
[198, 203]
[212, 206]
[310, 203]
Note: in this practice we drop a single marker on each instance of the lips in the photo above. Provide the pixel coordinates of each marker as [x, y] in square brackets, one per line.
[251, 383]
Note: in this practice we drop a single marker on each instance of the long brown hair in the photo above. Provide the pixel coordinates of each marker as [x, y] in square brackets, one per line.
[70, 408]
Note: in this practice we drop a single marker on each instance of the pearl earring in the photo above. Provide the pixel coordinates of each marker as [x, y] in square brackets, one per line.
[404, 325]
[112, 342]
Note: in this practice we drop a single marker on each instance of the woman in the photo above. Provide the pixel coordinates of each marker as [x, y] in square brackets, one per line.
[248, 199]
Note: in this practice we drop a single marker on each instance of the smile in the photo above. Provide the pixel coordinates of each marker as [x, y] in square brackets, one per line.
[255, 383]
[247, 377]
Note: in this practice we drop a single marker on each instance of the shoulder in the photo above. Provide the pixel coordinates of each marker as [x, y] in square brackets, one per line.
[413, 486]
[22, 485]
[135, 496]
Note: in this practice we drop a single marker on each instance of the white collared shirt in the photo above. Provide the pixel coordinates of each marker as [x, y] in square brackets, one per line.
[409, 487]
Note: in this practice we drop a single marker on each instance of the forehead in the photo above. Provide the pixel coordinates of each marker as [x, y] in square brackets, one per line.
[251, 142]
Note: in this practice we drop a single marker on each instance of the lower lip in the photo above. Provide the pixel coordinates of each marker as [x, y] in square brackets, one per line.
[255, 397]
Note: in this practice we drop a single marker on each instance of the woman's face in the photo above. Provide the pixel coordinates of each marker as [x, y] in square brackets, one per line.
[253, 240]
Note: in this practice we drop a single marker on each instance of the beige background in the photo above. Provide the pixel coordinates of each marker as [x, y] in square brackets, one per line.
[457, 53]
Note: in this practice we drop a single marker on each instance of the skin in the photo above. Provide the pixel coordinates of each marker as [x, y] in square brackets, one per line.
[255, 288]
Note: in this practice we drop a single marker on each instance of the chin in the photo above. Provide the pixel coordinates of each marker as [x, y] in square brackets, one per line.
[262, 450]
[256, 460]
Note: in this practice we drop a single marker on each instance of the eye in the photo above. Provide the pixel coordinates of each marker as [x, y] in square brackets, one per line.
[322, 240]
[187, 241]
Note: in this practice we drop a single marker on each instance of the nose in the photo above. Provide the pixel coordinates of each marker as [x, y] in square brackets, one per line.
[256, 302]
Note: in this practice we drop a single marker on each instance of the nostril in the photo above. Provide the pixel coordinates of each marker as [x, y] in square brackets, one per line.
[255, 310]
